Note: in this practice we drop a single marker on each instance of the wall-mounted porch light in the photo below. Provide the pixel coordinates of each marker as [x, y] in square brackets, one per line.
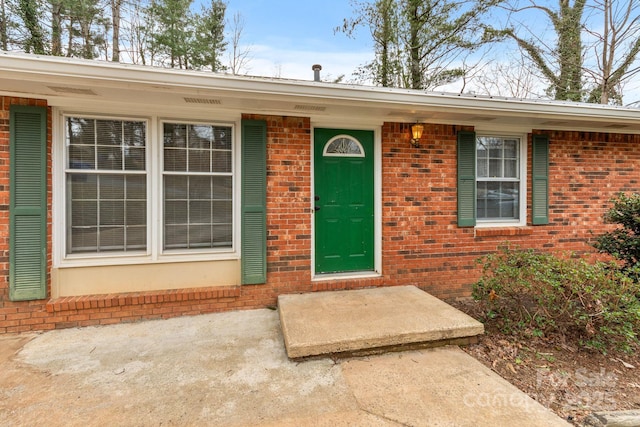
[416, 134]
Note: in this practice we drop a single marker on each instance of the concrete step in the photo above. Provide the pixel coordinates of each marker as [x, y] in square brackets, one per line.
[369, 321]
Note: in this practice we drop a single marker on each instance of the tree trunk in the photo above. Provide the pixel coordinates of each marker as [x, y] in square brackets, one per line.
[56, 28]
[115, 41]
[29, 14]
[414, 45]
[4, 36]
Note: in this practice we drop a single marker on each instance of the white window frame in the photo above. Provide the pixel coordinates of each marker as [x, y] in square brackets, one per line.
[522, 191]
[155, 205]
[234, 183]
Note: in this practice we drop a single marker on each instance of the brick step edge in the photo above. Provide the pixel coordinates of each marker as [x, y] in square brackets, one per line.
[140, 298]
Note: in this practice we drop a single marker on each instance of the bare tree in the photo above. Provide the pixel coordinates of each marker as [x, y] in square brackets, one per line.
[513, 76]
[239, 54]
[419, 43]
[559, 60]
[614, 48]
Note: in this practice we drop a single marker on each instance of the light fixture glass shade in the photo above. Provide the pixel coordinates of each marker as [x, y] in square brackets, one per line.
[416, 130]
[416, 133]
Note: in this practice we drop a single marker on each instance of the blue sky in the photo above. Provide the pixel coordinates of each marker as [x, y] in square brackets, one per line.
[287, 37]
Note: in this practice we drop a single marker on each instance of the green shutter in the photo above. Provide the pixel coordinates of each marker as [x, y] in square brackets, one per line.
[540, 180]
[28, 203]
[466, 179]
[254, 202]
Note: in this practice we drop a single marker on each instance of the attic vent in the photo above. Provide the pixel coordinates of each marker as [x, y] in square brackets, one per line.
[309, 108]
[202, 101]
[554, 123]
[73, 90]
[482, 119]
[616, 126]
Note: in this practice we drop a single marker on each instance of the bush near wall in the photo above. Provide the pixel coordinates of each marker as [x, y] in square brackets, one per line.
[541, 294]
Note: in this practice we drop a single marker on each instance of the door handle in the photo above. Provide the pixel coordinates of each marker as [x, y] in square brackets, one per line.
[316, 208]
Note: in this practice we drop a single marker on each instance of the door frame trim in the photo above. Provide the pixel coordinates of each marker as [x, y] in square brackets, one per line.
[377, 203]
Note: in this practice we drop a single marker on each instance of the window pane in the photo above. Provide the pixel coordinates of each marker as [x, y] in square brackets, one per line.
[511, 168]
[136, 213]
[136, 237]
[200, 137]
[112, 213]
[110, 142]
[98, 212]
[495, 168]
[511, 149]
[82, 157]
[222, 138]
[82, 239]
[175, 236]
[175, 135]
[199, 161]
[222, 212]
[82, 186]
[136, 187]
[84, 213]
[200, 236]
[222, 187]
[109, 132]
[134, 159]
[495, 148]
[175, 160]
[134, 134]
[110, 158]
[200, 212]
[222, 161]
[175, 212]
[111, 239]
[222, 235]
[176, 187]
[498, 200]
[200, 187]
[81, 131]
[482, 168]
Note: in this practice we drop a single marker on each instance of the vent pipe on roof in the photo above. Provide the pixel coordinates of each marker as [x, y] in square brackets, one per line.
[316, 72]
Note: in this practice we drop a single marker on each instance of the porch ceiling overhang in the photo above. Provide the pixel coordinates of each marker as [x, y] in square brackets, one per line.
[71, 82]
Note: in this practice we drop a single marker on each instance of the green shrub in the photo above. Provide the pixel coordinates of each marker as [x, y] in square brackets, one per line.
[541, 294]
[623, 243]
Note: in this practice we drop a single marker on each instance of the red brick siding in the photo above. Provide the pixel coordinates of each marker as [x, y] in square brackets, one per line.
[421, 242]
[289, 216]
[423, 246]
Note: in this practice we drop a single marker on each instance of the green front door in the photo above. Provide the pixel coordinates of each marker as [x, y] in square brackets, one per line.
[344, 223]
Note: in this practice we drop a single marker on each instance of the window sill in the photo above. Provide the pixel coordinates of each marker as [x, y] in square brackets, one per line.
[502, 231]
[135, 259]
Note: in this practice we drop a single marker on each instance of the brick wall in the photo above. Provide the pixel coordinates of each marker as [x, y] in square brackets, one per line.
[421, 242]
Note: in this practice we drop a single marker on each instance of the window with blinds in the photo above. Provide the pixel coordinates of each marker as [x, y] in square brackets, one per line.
[197, 186]
[106, 185]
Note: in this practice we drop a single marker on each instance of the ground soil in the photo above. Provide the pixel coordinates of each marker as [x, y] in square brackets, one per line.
[570, 380]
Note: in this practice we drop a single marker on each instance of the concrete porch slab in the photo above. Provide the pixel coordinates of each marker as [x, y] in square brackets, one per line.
[337, 322]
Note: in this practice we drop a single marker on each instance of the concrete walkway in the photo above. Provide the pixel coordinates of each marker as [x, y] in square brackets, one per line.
[231, 369]
[370, 320]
